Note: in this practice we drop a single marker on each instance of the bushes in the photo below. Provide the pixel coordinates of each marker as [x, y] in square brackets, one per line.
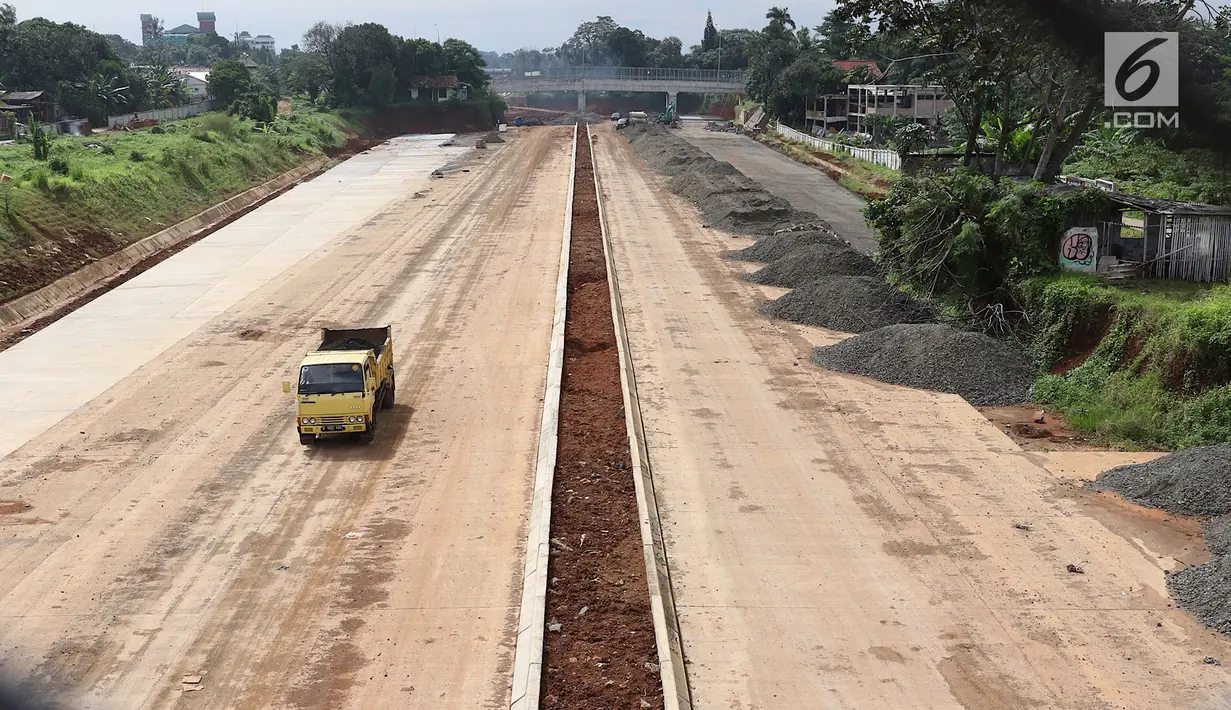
[1160, 377]
[961, 236]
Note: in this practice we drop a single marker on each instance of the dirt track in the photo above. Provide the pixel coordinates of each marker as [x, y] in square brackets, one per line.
[176, 526]
[836, 542]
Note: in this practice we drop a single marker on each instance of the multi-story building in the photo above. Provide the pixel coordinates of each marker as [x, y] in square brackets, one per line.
[150, 33]
[919, 103]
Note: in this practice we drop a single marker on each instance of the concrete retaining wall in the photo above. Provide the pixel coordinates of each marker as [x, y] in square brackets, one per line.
[34, 304]
[165, 114]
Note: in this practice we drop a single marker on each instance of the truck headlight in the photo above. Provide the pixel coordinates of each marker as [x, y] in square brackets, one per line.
[351, 420]
[311, 420]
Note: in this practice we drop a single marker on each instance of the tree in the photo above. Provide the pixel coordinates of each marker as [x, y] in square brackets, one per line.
[466, 63]
[308, 73]
[355, 54]
[709, 38]
[382, 86]
[668, 53]
[256, 105]
[228, 80]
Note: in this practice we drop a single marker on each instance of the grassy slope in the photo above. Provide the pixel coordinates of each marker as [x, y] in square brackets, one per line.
[98, 194]
[868, 180]
[1160, 374]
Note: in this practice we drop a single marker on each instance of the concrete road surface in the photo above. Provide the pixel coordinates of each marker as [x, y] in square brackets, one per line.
[168, 523]
[806, 188]
[837, 542]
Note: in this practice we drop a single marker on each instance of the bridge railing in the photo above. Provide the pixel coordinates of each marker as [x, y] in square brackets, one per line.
[726, 76]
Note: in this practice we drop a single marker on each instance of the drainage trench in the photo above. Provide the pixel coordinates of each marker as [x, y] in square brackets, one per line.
[599, 648]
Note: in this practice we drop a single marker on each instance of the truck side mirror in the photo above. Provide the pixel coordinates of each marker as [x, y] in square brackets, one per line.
[286, 386]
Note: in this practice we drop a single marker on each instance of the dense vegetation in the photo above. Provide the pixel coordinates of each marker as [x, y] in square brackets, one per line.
[1158, 371]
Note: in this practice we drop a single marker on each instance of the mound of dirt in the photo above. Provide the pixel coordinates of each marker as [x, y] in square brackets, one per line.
[853, 304]
[982, 370]
[576, 117]
[350, 344]
[776, 246]
[1191, 482]
[813, 263]
[726, 197]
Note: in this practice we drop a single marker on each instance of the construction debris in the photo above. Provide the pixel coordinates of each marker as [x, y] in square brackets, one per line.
[980, 369]
[852, 304]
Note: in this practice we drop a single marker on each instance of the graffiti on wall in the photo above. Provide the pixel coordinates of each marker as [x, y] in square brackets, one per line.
[1079, 249]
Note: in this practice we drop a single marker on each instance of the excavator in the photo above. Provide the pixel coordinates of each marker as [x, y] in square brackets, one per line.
[670, 117]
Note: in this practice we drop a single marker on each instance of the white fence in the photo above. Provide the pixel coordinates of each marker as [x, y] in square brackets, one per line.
[165, 114]
[886, 158]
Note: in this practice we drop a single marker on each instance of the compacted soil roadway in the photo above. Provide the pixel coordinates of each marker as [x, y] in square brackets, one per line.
[837, 542]
[164, 538]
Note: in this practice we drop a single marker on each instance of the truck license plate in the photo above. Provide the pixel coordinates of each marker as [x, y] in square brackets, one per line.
[336, 427]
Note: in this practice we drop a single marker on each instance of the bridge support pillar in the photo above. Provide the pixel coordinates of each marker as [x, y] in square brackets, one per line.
[671, 99]
[581, 101]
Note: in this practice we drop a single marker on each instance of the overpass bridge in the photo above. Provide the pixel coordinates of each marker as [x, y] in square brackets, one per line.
[627, 79]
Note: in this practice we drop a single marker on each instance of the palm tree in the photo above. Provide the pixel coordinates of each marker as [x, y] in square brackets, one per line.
[780, 16]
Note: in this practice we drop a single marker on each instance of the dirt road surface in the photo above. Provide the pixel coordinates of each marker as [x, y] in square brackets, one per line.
[805, 187]
[836, 542]
[172, 525]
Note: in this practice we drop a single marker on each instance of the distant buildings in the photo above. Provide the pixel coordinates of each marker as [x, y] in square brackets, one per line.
[152, 32]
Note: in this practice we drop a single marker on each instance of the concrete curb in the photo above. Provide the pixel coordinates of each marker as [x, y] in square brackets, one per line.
[676, 694]
[531, 625]
[57, 292]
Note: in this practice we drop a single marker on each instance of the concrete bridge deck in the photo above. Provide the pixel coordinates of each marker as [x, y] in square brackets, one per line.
[628, 79]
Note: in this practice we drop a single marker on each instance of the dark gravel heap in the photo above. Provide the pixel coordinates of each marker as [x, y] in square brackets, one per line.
[777, 246]
[1191, 482]
[350, 344]
[853, 304]
[813, 263]
[576, 117]
[727, 198]
[982, 370]
[1205, 590]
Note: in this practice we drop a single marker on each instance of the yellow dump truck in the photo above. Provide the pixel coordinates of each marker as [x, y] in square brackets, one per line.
[344, 382]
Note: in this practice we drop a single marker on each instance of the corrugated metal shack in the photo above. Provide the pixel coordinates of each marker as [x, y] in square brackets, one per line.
[1178, 240]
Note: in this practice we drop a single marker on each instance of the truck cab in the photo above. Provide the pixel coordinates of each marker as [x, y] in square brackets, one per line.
[344, 383]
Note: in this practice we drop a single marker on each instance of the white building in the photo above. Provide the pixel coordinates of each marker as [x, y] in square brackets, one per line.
[198, 84]
[262, 42]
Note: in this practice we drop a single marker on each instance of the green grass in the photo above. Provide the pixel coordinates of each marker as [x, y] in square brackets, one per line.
[100, 193]
[1161, 375]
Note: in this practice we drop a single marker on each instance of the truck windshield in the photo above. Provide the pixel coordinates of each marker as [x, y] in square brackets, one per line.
[330, 379]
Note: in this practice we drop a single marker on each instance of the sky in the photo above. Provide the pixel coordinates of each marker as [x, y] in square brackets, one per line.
[492, 25]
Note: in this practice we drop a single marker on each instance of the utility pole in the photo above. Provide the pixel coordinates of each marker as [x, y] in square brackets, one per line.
[720, 52]
[437, 32]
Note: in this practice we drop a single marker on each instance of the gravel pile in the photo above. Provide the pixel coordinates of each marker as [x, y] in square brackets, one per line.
[853, 304]
[727, 198]
[982, 370]
[1191, 482]
[813, 263]
[776, 246]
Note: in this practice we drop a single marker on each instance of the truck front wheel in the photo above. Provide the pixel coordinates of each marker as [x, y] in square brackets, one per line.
[307, 439]
[368, 435]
